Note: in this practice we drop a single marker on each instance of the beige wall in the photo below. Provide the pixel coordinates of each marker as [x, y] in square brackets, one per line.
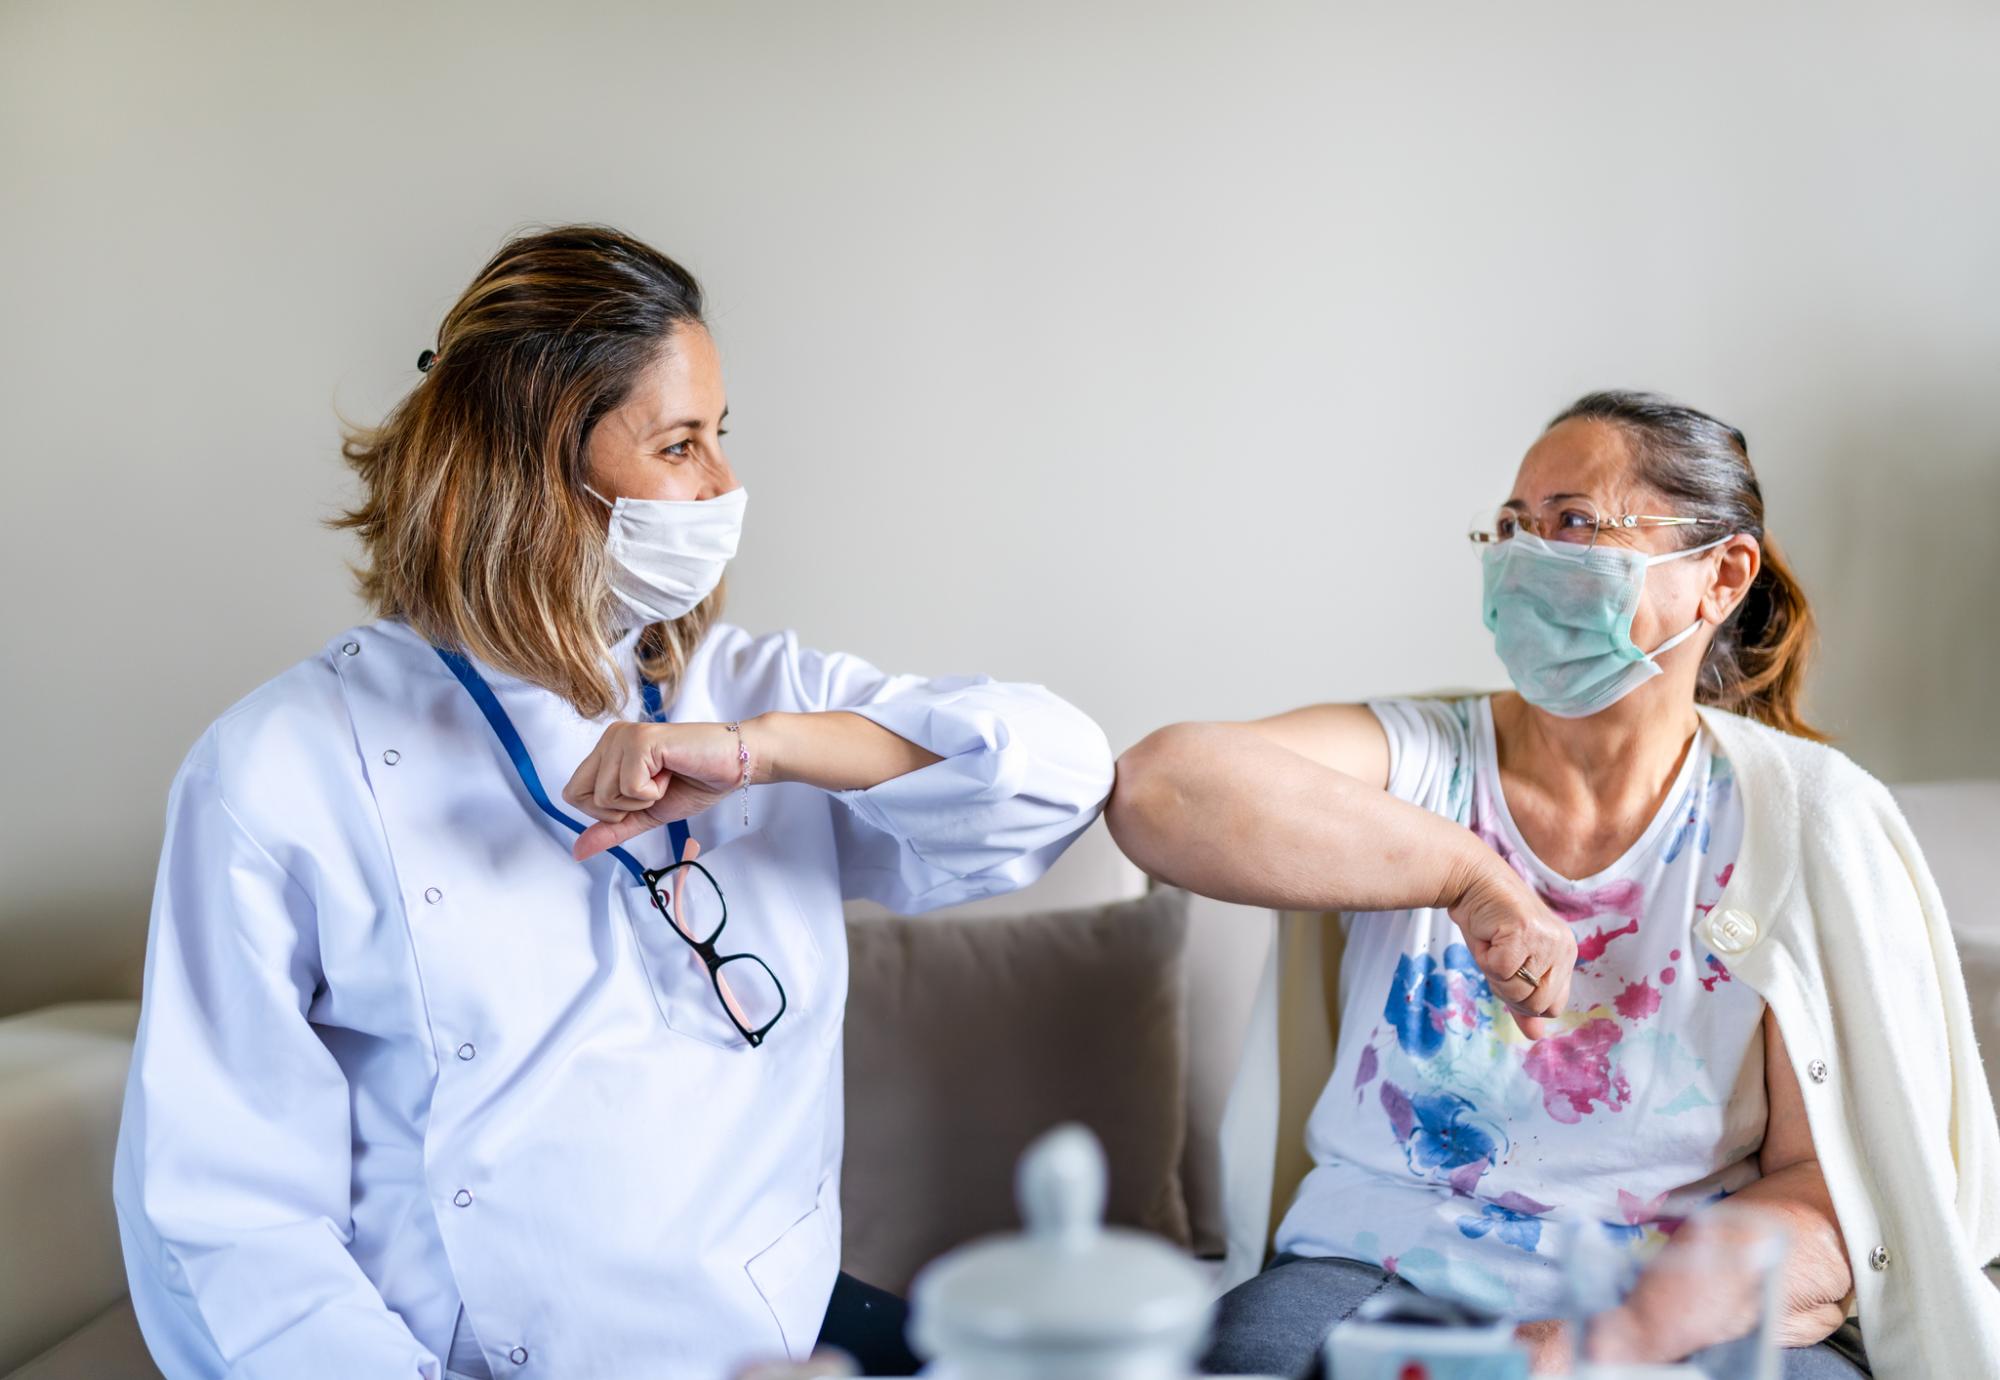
[1156, 353]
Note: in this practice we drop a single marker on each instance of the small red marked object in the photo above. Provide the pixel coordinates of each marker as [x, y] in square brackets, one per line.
[1413, 1370]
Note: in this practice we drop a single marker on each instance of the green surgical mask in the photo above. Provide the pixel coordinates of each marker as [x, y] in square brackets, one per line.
[1561, 618]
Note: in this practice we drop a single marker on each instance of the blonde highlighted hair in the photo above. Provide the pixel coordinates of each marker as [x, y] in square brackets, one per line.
[473, 523]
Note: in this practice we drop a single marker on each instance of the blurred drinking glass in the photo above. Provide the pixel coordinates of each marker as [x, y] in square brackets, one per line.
[1706, 1303]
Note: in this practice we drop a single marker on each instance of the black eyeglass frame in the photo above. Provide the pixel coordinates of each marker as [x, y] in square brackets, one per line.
[705, 948]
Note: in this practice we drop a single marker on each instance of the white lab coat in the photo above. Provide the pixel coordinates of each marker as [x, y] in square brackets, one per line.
[399, 1051]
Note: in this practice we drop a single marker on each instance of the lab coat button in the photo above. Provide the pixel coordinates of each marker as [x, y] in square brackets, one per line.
[519, 1356]
[1878, 1259]
[392, 757]
[433, 895]
[350, 647]
[1732, 932]
[463, 1197]
[1816, 1070]
[466, 1051]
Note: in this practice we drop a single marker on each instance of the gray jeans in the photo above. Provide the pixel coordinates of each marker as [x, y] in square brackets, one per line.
[1274, 1324]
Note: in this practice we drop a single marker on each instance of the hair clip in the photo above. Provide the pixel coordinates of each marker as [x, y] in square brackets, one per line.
[426, 360]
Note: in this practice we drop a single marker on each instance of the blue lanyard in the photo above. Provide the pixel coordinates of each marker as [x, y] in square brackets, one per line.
[503, 729]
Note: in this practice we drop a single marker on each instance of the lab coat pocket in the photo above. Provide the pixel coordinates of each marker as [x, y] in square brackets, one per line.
[774, 959]
[794, 1275]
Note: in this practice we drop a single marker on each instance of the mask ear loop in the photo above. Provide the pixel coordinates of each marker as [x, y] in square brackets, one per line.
[1685, 633]
[1666, 556]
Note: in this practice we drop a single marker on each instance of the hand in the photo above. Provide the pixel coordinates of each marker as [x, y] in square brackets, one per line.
[1507, 928]
[643, 775]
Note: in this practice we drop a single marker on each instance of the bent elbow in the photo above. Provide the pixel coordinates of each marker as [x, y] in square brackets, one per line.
[1147, 792]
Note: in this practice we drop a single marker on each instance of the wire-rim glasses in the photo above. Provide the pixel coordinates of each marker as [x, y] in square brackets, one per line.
[1565, 519]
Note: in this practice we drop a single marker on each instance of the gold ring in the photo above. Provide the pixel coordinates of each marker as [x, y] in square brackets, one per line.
[1522, 974]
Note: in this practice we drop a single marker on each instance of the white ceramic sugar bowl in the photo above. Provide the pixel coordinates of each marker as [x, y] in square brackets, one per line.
[1069, 1298]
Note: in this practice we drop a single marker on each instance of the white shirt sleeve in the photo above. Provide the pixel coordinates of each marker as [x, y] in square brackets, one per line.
[1430, 752]
[232, 1178]
[1023, 774]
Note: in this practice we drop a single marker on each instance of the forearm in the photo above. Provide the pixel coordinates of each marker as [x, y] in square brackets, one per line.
[835, 751]
[1818, 1278]
[1221, 810]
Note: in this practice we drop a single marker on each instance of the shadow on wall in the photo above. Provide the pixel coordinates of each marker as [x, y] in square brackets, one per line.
[1905, 586]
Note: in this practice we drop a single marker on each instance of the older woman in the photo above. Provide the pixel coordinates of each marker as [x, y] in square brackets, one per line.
[1619, 943]
[424, 1079]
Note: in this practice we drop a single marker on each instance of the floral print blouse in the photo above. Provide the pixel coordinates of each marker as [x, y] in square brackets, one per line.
[1452, 1150]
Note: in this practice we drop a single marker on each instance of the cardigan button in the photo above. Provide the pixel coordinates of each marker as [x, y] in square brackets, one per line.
[1878, 1259]
[1732, 931]
[519, 1356]
[351, 648]
[1816, 1070]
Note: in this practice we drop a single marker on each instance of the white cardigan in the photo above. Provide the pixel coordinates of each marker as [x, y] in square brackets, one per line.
[1832, 917]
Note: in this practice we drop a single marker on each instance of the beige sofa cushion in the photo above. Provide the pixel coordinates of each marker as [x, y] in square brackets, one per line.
[1226, 948]
[62, 1081]
[1957, 824]
[967, 1037]
[108, 1347]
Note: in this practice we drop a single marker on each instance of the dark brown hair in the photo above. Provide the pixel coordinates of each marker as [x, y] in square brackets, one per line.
[473, 521]
[1756, 663]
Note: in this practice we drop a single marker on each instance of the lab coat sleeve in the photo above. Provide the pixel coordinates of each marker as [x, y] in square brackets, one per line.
[1023, 774]
[232, 1176]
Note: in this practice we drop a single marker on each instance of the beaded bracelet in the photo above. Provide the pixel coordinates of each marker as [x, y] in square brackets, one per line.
[743, 761]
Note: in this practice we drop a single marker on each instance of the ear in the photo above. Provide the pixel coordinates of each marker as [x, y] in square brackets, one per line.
[1741, 558]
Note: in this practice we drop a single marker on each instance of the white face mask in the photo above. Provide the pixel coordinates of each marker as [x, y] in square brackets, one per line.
[668, 555]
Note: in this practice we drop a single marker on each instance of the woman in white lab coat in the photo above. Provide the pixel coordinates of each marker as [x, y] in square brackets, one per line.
[425, 1083]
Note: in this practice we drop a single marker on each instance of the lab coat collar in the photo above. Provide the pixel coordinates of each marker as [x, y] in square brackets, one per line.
[624, 652]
